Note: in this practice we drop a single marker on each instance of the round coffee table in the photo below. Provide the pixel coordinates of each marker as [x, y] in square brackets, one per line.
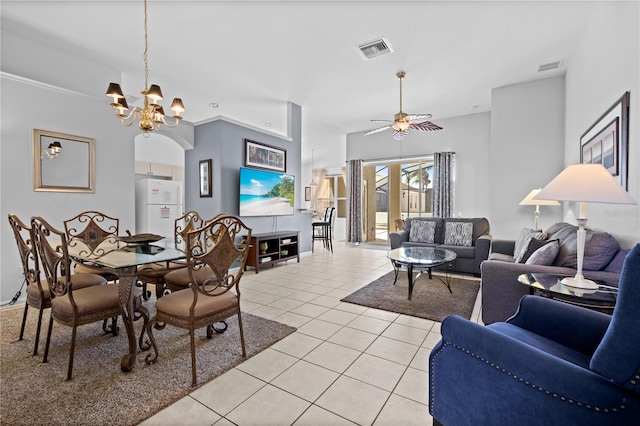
[550, 285]
[421, 259]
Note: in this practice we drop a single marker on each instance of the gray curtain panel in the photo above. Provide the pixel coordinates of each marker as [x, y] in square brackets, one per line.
[442, 184]
[354, 201]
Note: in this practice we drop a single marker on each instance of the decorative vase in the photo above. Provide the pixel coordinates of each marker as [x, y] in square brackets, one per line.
[263, 247]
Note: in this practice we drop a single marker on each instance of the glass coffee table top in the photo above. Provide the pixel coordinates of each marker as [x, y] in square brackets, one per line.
[603, 298]
[422, 256]
[421, 259]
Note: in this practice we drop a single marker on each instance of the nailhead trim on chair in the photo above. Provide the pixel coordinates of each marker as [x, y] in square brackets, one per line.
[526, 382]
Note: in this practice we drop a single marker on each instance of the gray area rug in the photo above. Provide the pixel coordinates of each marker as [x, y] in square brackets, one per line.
[34, 393]
[430, 298]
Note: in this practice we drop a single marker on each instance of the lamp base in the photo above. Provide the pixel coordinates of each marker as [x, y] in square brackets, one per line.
[579, 283]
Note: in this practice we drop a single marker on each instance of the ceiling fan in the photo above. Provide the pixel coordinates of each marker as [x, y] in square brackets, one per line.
[402, 122]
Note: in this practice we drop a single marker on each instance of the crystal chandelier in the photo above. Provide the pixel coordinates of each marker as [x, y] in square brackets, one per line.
[151, 115]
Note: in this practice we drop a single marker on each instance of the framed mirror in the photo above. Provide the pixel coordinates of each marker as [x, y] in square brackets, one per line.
[63, 163]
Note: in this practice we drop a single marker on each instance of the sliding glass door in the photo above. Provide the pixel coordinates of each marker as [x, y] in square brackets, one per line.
[394, 191]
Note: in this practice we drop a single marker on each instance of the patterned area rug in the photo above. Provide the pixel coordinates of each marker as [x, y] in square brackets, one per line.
[430, 298]
[34, 393]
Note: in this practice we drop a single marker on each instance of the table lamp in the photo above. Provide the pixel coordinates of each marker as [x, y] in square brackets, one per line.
[529, 201]
[585, 183]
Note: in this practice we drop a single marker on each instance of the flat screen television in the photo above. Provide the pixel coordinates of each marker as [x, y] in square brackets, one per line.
[265, 193]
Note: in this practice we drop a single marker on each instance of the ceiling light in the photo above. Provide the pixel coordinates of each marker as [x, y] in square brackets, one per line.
[214, 105]
[151, 116]
[267, 124]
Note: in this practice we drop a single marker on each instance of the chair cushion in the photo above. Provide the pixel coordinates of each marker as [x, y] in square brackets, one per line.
[79, 281]
[178, 303]
[180, 277]
[88, 300]
[458, 234]
[34, 292]
[422, 231]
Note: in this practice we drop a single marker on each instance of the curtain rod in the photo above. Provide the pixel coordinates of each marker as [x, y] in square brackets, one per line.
[398, 159]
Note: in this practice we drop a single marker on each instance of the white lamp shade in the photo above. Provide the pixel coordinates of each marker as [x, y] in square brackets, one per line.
[589, 183]
[529, 201]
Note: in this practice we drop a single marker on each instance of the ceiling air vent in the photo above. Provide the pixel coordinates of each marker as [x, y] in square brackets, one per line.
[549, 66]
[375, 48]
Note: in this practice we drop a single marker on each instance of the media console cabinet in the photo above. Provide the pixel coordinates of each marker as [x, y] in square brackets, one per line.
[267, 249]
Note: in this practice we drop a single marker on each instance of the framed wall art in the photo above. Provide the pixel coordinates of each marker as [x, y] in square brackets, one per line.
[606, 142]
[265, 156]
[307, 193]
[205, 178]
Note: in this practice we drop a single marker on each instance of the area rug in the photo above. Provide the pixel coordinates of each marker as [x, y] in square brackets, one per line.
[430, 298]
[34, 393]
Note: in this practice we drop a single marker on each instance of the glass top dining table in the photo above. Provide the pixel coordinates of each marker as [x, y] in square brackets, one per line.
[122, 259]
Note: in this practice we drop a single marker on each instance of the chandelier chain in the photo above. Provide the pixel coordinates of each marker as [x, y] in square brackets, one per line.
[144, 56]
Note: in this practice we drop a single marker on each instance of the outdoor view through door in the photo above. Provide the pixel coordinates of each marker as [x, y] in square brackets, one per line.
[395, 190]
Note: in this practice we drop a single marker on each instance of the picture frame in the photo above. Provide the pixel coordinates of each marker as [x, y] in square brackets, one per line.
[266, 157]
[606, 142]
[69, 168]
[205, 178]
[307, 193]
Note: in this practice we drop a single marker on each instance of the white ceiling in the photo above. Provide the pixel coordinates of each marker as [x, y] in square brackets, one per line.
[252, 57]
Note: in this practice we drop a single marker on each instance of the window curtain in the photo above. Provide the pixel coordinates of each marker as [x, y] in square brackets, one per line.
[354, 201]
[442, 184]
[317, 177]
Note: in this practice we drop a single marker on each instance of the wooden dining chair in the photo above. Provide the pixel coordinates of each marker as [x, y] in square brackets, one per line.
[177, 280]
[154, 273]
[92, 228]
[70, 305]
[38, 293]
[220, 247]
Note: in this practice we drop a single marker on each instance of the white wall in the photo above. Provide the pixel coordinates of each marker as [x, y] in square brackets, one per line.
[28, 106]
[604, 66]
[158, 149]
[527, 145]
[468, 136]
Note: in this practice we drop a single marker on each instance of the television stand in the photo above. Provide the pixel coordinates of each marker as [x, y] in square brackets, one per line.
[270, 248]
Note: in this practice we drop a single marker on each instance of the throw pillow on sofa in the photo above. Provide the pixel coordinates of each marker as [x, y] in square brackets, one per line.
[534, 245]
[458, 234]
[422, 231]
[522, 243]
[545, 255]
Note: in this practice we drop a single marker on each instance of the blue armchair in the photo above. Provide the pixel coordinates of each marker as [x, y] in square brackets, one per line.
[550, 364]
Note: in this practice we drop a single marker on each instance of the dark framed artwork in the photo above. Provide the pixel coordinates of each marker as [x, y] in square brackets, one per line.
[307, 193]
[265, 156]
[606, 142]
[205, 178]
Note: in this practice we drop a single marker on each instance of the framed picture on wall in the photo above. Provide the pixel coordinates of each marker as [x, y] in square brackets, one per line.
[265, 156]
[606, 142]
[205, 178]
[307, 193]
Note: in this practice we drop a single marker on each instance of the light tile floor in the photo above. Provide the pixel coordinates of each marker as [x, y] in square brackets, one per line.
[346, 364]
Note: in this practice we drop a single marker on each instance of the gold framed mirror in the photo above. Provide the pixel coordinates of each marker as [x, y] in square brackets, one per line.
[63, 163]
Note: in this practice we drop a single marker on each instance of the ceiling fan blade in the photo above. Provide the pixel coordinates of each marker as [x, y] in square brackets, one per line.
[383, 121]
[425, 127]
[418, 118]
[380, 129]
[399, 135]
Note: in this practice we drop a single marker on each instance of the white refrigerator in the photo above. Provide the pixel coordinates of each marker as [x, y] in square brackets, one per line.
[158, 205]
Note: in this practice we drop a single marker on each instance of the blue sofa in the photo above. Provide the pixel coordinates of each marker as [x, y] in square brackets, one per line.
[552, 363]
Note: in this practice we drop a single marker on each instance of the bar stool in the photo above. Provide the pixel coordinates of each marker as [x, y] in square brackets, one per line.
[323, 229]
